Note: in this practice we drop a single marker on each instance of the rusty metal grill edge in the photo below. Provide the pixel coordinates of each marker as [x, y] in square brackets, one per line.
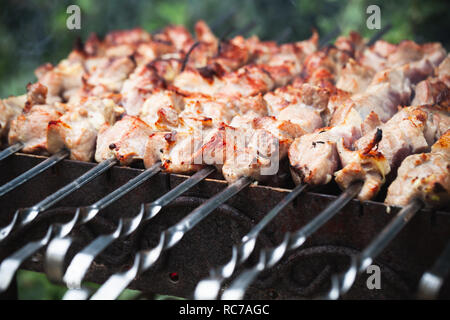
[302, 273]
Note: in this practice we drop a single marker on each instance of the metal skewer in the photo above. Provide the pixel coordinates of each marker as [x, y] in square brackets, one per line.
[79, 265]
[208, 288]
[379, 34]
[27, 175]
[11, 150]
[144, 259]
[270, 257]
[432, 280]
[342, 282]
[25, 215]
[58, 247]
[10, 265]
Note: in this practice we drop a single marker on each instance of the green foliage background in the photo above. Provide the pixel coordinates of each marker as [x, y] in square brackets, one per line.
[34, 31]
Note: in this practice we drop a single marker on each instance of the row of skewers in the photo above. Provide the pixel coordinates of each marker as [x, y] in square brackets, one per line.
[361, 115]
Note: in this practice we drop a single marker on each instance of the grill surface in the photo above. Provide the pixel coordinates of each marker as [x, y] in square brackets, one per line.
[304, 273]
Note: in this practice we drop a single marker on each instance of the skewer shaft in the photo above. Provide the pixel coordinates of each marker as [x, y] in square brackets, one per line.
[112, 288]
[208, 288]
[41, 167]
[80, 264]
[26, 215]
[182, 188]
[432, 280]
[341, 283]
[10, 150]
[75, 184]
[388, 233]
[58, 247]
[270, 257]
[127, 187]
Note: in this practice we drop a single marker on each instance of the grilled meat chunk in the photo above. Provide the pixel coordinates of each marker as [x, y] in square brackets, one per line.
[435, 90]
[161, 110]
[30, 128]
[10, 108]
[410, 131]
[175, 150]
[110, 72]
[314, 157]
[63, 80]
[77, 129]
[354, 78]
[125, 140]
[443, 71]
[138, 87]
[424, 176]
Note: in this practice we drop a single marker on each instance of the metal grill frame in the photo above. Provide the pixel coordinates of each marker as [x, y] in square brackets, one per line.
[302, 274]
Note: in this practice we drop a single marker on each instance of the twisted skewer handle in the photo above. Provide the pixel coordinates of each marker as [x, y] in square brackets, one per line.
[270, 257]
[24, 216]
[144, 259]
[57, 249]
[432, 280]
[208, 289]
[10, 265]
[80, 264]
[341, 283]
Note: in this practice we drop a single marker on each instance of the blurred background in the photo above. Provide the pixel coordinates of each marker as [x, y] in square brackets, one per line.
[34, 31]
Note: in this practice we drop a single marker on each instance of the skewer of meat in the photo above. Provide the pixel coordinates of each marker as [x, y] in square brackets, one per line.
[76, 277]
[145, 259]
[74, 133]
[27, 132]
[209, 288]
[423, 180]
[239, 286]
[127, 143]
[269, 257]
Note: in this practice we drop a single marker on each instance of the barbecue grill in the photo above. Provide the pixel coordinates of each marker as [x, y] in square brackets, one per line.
[304, 273]
[127, 224]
